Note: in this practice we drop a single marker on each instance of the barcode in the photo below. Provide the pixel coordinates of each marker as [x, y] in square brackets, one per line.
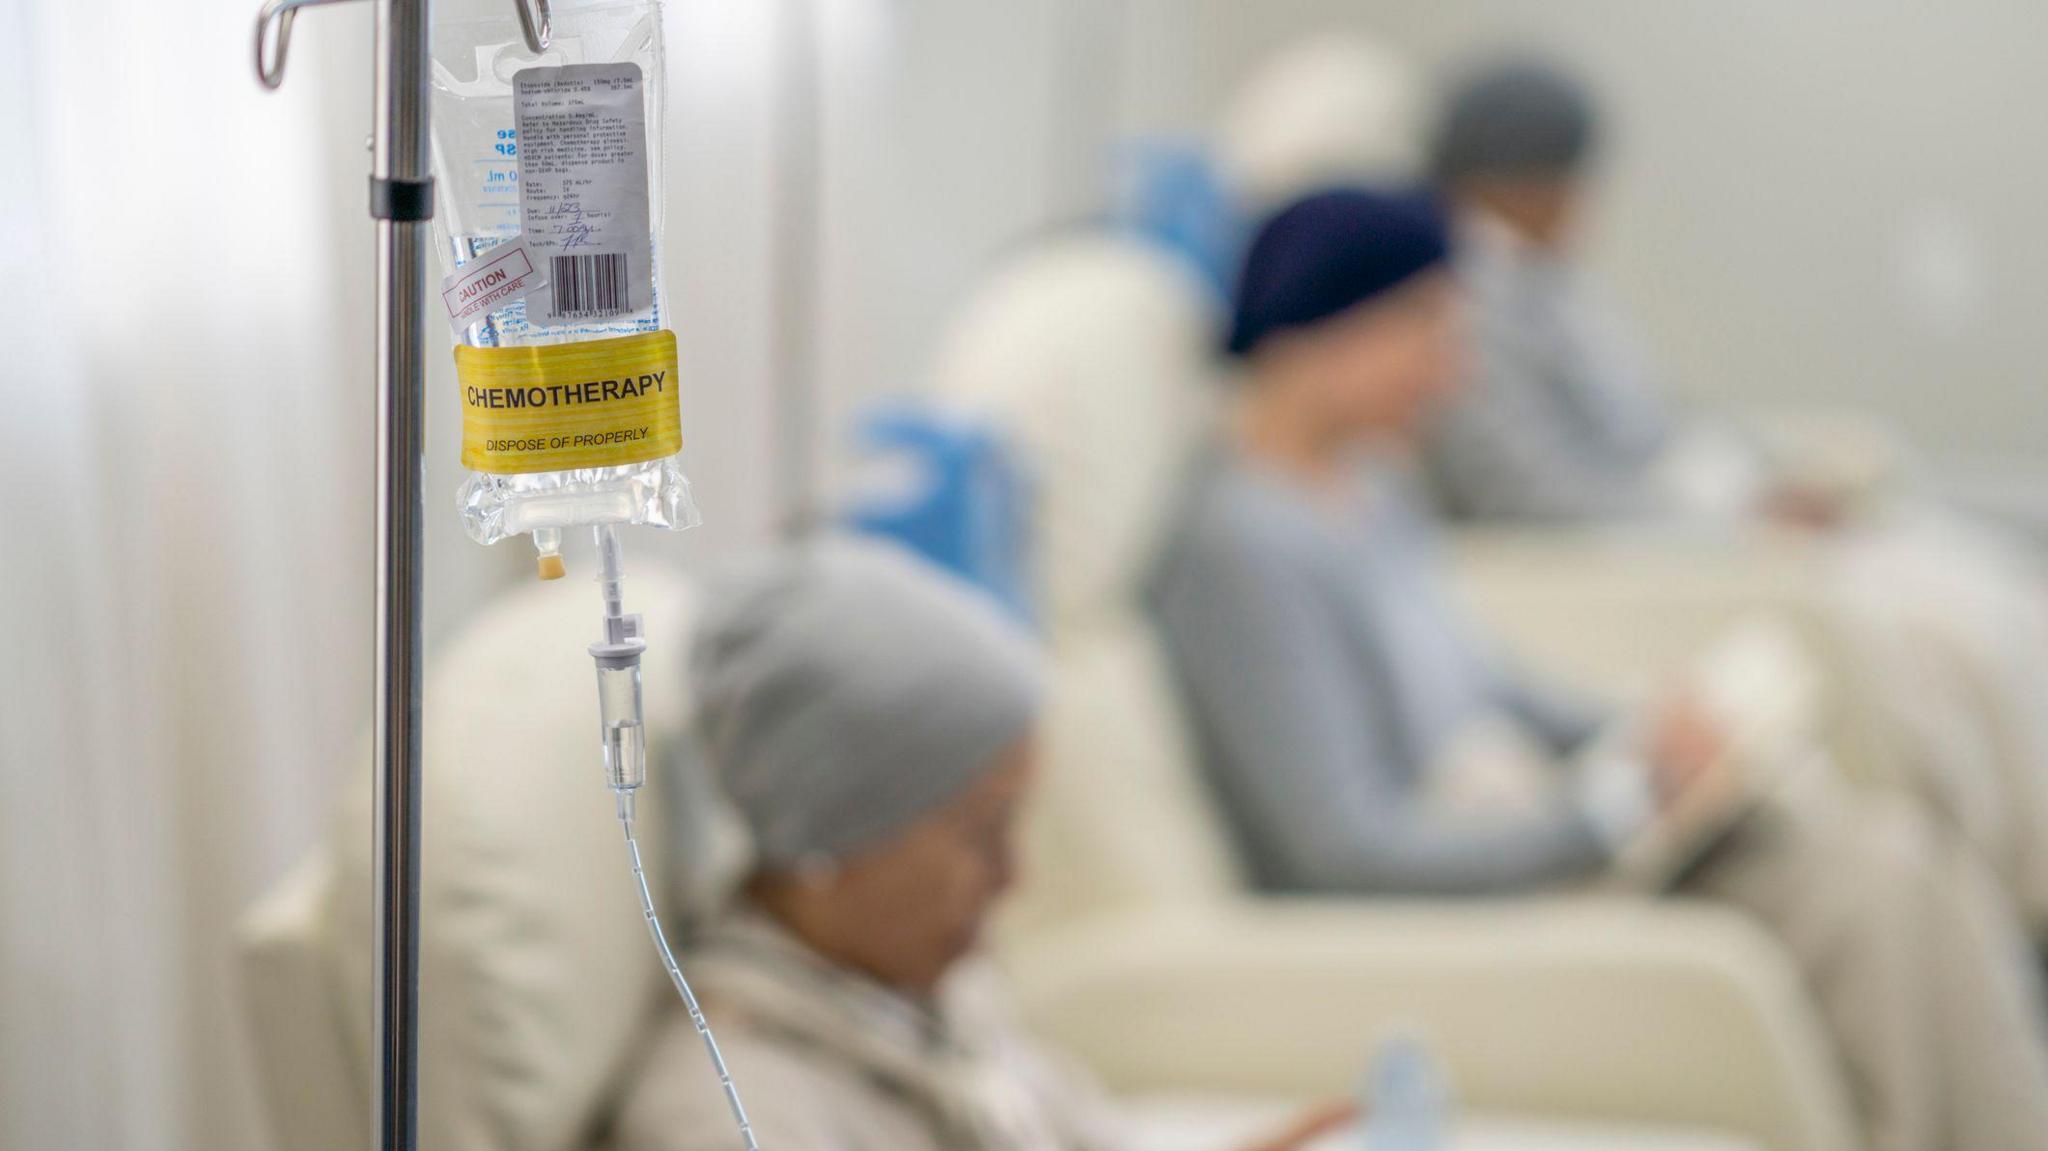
[588, 286]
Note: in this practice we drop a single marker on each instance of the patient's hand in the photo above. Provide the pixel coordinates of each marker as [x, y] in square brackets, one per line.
[1324, 1120]
[1798, 507]
[1686, 746]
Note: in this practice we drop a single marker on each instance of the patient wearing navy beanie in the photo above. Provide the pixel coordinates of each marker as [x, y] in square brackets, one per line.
[1330, 252]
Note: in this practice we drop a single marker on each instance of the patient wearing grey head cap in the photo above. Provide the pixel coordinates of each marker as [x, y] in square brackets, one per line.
[870, 718]
[1560, 420]
[844, 689]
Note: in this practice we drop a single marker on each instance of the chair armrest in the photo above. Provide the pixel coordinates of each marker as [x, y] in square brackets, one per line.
[1610, 1008]
[1834, 452]
[315, 1095]
[1620, 612]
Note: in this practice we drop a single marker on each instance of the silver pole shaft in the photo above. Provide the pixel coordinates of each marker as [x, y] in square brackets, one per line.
[400, 155]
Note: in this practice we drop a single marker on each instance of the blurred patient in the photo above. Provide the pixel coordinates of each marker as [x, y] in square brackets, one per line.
[1943, 619]
[1335, 692]
[871, 722]
[1562, 421]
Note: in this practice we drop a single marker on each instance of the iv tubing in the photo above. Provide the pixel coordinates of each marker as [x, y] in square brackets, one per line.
[610, 564]
[618, 654]
[675, 975]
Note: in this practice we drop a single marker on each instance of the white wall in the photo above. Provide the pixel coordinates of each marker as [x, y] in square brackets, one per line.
[1830, 200]
[951, 132]
[841, 171]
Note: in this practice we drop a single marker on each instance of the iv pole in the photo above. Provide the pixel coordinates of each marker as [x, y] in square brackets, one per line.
[402, 203]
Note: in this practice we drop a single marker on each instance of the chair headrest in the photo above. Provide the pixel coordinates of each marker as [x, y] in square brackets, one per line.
[1092, 352]
[1332, 110]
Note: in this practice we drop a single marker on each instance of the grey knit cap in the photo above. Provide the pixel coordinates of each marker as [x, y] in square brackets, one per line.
[1514, 117]
[845, 688]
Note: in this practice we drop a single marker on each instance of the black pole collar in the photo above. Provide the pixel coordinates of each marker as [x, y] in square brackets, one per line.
[401, 199]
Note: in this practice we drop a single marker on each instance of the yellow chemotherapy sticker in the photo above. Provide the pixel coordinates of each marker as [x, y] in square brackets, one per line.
[592, 404]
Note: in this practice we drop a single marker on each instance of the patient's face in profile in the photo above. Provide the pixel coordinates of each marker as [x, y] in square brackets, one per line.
[1387, 362]
[1543, 210]
[905, 911]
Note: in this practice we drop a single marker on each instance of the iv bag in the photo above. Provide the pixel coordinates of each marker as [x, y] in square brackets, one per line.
[549, 224]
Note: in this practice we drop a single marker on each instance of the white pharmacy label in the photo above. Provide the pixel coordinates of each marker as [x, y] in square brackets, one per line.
[498, 278]
[583, 190]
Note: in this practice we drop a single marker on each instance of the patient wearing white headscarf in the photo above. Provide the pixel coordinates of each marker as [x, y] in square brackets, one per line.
[870, 720]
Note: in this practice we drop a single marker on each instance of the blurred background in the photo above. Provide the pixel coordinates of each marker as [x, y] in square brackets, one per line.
[1828, 204]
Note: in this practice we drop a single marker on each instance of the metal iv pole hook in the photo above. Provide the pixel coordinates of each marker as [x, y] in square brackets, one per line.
[536, 24]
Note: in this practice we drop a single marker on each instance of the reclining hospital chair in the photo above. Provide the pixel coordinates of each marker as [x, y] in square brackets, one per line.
[1135, 919]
